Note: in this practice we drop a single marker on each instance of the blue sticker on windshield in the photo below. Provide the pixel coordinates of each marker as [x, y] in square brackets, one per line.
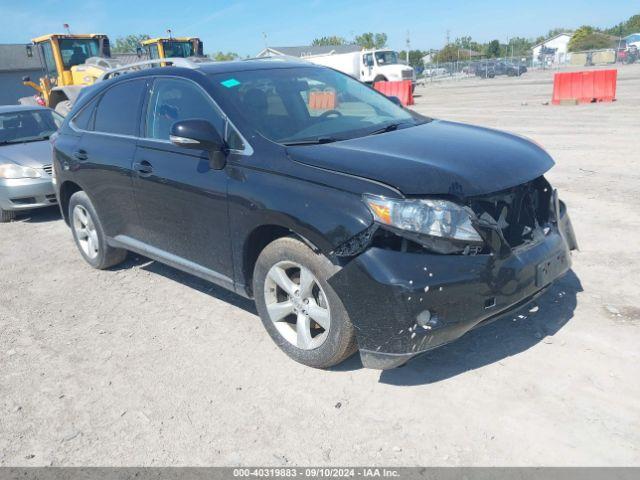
[232, 82]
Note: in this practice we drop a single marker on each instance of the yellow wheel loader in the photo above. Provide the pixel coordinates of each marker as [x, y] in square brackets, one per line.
[69, 63]
[173, 47]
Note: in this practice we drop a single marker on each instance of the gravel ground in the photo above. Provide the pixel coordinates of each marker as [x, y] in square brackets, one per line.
[144, 365]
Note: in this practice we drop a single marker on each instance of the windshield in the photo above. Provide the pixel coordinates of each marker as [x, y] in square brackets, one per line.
[76, 51]
[307, 104]
[387, 58]
[178, 49]
[28, 126]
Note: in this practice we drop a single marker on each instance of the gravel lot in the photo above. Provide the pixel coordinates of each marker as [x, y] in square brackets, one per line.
[144, 365]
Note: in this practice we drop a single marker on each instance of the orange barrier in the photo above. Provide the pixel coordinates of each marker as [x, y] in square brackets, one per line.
[322, 100]
[402, 89]
[585, 87]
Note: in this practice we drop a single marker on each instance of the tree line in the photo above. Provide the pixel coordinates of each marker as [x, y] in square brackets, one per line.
[586, 37]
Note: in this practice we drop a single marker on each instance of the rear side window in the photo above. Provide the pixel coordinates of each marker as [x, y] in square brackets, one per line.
[118, 110]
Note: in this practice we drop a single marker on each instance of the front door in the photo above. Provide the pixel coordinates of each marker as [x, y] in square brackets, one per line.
[182, 201]
[367, 67]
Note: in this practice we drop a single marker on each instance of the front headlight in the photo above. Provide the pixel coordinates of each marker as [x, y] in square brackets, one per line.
[441, 219]
[12, 171]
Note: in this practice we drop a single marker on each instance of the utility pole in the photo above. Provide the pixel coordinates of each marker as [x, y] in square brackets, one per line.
[408, 46]
[448, 34]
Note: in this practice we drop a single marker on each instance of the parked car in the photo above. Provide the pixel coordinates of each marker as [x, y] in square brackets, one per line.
[514, 69]
[484, 70]
[25, 158]
[357, 225]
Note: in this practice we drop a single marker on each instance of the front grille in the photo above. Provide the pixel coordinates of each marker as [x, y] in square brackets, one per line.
[520, 213]
[407, 74]
[48, 169]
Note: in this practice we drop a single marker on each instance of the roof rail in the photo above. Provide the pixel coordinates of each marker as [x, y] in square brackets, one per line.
[277, 58]
[192, 62]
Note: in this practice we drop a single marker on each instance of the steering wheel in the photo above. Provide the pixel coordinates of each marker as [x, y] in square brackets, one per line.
[330, 112]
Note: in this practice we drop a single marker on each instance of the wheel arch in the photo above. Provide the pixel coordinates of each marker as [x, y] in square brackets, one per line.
[67, 189]
[255, 243]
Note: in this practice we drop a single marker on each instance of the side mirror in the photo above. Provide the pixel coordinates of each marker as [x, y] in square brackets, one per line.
[200, 135]
[396, 100]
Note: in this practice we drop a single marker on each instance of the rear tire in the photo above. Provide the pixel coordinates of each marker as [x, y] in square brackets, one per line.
[309, 311]
[89, 235]
[7, 215]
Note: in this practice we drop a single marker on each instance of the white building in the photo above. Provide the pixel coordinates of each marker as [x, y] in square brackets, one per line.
[553, 50]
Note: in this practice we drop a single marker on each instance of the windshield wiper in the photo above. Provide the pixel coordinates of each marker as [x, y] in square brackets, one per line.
[313, 141]
[388, 128]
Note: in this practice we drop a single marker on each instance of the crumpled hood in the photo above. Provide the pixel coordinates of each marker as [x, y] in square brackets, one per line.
[435, 158]
[30, 154]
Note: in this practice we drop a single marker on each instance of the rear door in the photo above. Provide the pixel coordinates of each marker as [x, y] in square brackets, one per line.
[181, 201]
[105, 153]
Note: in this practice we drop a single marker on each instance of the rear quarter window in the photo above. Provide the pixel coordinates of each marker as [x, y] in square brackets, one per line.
[83, 120]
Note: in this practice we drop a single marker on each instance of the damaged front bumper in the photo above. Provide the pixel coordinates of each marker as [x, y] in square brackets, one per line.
[403, 304]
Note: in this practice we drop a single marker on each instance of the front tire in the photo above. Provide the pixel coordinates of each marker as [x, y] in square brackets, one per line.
[89, 235]
[302, 313]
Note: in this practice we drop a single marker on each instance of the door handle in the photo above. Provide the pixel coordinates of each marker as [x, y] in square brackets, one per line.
[143, 168]
[81, 155]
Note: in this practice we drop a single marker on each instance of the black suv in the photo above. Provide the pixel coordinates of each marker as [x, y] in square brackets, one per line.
[354, 224]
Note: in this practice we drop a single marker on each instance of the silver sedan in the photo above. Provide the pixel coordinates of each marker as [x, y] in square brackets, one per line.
[25, 158]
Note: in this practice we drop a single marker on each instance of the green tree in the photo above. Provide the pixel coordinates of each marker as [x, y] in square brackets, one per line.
[492, 49]
[632, 25]
[415, 57]
[371, 40]
[223, 57]
[332, 40]
[587, 38]
[518, 47]
[451, 53]
[466, 43]
[129, 44]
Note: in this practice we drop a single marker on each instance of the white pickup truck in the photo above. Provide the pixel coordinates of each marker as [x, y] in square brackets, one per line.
[368, 66]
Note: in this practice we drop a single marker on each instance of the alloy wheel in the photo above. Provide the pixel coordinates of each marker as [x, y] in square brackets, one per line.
[297, 305]
[85, 231]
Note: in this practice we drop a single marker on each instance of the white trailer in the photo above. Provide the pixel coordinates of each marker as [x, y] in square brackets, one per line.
[368, 66]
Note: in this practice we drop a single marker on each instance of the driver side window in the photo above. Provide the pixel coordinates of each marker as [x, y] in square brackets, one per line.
[172, 100]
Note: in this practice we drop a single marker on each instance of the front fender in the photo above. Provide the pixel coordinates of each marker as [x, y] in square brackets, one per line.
[326, 217]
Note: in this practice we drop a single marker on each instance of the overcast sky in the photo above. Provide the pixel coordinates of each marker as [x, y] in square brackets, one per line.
[238, 26]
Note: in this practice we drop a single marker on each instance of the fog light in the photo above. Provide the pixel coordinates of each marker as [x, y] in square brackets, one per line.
[427, 320]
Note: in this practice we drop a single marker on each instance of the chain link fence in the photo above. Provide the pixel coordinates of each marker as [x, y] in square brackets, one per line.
[517, 66]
